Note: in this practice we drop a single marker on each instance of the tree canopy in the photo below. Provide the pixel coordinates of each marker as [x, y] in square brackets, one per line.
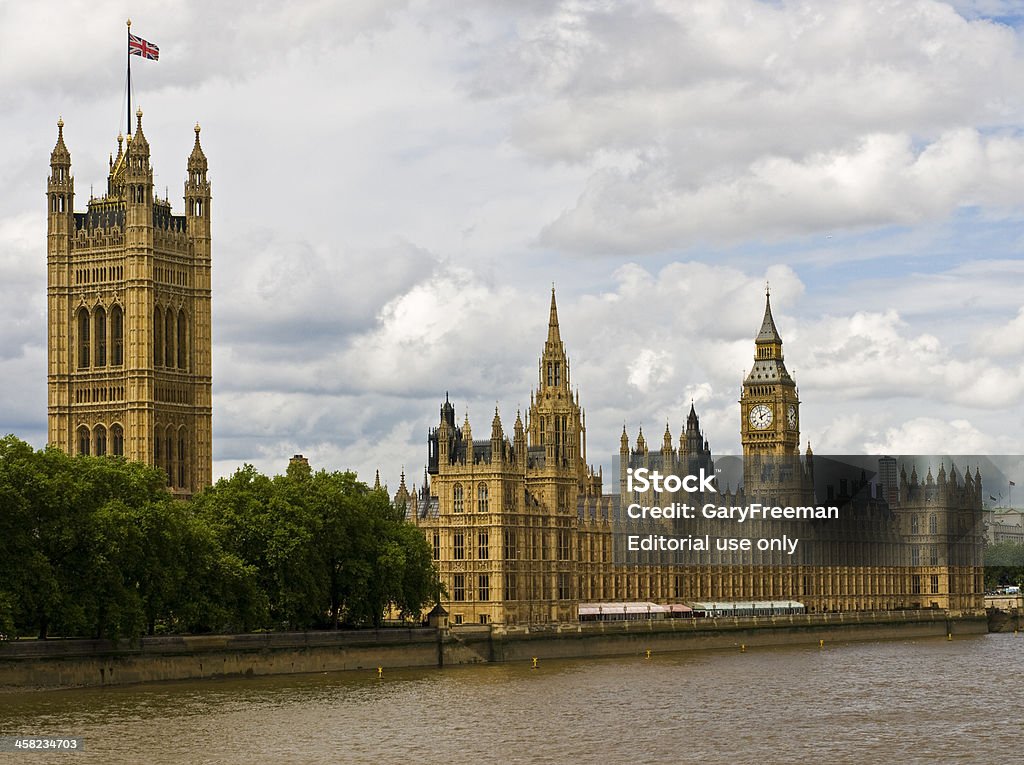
[96, 546]
[1004, 564]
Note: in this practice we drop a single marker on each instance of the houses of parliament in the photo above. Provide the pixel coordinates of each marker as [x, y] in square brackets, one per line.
[520, 527]
[522, 532]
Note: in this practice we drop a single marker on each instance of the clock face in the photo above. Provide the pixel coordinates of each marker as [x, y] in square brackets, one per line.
[791, 417]
[760, 417]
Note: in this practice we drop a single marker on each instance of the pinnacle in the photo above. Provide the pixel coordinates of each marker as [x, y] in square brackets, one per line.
[553, 333]
[60, 151]
[768, 332]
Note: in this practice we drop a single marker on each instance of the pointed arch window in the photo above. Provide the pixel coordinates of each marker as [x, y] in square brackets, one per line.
[182, 446]
[933, 524]
[100, 437]
[99, 321]
[84, 441]
[458, 499]
[117, 440]
[182, 345]
[158, 337]
[169, 460]
[481, 498]
[169, 338]
[83, 338]
[116, 335]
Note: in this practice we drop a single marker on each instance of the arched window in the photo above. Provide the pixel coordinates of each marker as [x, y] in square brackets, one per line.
[83, 441]
[83, 339]
[158, 442]
[100, 434]
[99, 320]
[116, 336]
[182, 345]
[914, 525]
[169, 338]
[181, 458]
[459, 500]
[170, 461]
[158, 338]
[933, 524]
[481, 498]
[117, 440]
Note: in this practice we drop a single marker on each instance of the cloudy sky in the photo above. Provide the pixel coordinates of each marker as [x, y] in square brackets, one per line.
[397, 185]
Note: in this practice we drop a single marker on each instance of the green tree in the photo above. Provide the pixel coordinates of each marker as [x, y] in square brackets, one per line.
[97, 546]
[1004, 564]
[327, 550]
[266, 526]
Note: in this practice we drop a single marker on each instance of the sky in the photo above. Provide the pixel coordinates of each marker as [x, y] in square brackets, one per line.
[397, 185]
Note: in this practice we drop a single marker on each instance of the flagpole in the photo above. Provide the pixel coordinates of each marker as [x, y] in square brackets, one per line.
[129, 41]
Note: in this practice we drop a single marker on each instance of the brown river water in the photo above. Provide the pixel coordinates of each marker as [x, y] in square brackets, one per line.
[915, 701]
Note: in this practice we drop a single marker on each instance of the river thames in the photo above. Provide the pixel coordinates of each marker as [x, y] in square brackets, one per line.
[916, 701]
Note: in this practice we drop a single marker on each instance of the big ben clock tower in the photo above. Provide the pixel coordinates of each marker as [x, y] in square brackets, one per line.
[770, 414]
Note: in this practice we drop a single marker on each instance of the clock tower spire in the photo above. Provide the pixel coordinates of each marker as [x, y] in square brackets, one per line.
[769, 405]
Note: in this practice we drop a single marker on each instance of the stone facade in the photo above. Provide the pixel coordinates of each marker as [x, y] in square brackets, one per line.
[522, 532]
[128, 302]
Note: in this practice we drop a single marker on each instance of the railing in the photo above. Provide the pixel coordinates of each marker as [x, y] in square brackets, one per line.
[711, 624]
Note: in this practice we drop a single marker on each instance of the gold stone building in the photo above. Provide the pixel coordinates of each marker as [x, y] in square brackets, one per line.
[128, 304]
[522, 534]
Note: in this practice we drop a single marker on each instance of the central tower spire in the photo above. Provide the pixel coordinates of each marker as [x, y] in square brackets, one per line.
[556, 420]
[554, 366]
[553, 334]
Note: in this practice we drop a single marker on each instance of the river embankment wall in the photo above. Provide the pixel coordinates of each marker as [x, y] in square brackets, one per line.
[64, 663]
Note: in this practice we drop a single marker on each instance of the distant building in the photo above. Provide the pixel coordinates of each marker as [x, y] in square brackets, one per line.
[1004, 524]
[888, 478]
[128, 304]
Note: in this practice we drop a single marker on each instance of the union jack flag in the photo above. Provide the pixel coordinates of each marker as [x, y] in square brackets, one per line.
[139, 47]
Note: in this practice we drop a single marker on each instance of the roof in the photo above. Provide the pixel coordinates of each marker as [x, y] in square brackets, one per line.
[768, 333]
[621, 608]
[721, 605]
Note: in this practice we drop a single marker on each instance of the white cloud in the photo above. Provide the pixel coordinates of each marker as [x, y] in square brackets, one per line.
[930, 435]
[640, 351]
[878, 180]
[1007, 339]
[872, 355]
[396, 184]
[651, 367]
[709, 122]
[198, 42]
